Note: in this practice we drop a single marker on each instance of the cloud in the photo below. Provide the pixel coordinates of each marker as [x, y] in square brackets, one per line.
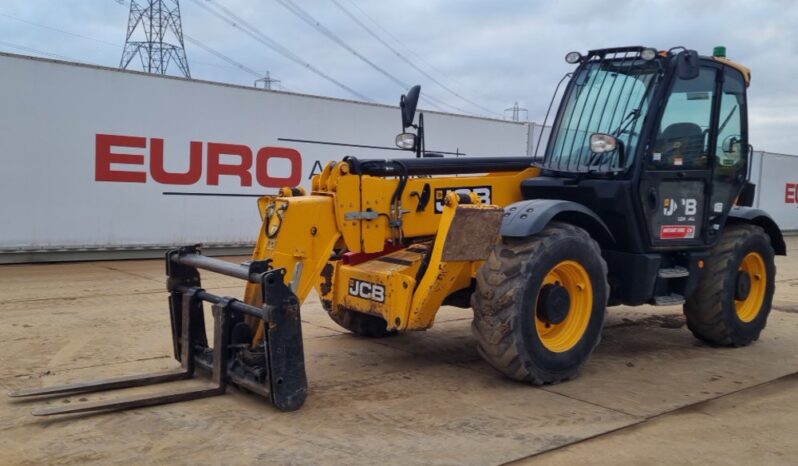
[492, 52]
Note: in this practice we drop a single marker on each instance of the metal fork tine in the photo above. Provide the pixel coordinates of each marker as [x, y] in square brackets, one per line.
[134, 402]
[192, 350]
[105, 384]
[219, 376]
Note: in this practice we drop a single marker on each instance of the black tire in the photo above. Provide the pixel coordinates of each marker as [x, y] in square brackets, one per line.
[506, 300]
[359, 323]
[711, 311]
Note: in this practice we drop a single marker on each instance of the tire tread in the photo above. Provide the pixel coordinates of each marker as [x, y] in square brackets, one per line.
[495, 301]
[704, 309]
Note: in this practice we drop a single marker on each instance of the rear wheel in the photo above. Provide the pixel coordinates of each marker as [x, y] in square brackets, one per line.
[365, 325]
[540, 303]
[730, 307]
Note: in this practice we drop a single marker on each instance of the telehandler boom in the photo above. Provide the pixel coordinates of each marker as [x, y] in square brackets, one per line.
[641, 197]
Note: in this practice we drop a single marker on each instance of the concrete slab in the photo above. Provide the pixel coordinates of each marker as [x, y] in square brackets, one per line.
[398, 417]
[753, 426]
[644, 369]
[417, 398]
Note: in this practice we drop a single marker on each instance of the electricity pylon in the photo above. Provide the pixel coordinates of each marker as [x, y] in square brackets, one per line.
[162, 44]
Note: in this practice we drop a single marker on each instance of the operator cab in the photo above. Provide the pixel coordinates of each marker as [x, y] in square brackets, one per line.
[661, 135]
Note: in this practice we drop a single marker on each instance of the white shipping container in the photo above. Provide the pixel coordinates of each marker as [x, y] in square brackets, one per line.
[776, 178]
[99, 159]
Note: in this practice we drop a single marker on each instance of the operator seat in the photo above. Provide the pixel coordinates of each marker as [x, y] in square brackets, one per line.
[685, 140]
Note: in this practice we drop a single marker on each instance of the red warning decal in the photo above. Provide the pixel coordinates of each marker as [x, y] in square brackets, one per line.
[677, 232]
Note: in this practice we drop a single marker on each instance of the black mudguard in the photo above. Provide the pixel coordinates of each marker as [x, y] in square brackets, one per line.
[760, 218]
[529, 217]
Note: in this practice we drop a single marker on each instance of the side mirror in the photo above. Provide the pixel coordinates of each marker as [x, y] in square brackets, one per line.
[408, 105]
[600, 143]
[731, 144]
[406, 141]
[687, 64]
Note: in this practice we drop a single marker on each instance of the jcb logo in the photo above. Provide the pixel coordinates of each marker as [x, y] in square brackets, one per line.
[366, 290]
[484, 193]
[669, 206]
[690, 206]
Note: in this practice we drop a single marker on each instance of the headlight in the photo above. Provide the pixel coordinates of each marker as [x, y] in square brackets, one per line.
[406, 141]
[648, 54]
[573, 57]
[600, 142]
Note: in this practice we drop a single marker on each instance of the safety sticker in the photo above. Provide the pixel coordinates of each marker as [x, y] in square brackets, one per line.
[677, 232]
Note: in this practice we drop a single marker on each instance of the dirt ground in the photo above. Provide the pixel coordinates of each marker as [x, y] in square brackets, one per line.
[651, 393]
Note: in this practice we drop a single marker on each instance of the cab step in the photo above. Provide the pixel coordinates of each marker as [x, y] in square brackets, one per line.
[672, 299]
[673, 272]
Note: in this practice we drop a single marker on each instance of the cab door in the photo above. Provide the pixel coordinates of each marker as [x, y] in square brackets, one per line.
[677, 166]
[730, 167]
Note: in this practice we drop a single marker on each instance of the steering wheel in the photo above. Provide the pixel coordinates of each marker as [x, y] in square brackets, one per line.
[674, 145]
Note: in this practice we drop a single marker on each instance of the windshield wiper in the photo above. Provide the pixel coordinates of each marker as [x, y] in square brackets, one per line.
[632, 117]
[726, 121]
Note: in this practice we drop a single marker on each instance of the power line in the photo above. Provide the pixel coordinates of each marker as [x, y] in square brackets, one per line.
[40, 52]
[221, 56]
[405, 59]
[316, 24]
[306, 17]
[237, 22]
[31, 23]
[197, 42]
[235, 64]
[245, 27]
[414, 53]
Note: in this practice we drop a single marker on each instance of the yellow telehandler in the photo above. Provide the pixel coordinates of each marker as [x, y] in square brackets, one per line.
[641, 197]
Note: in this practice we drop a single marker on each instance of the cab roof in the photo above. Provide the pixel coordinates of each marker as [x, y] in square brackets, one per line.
[742, 69]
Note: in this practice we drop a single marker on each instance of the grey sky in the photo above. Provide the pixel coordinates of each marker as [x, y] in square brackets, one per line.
[491, 52]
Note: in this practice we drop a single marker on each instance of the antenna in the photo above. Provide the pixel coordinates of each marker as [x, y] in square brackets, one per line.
[155, 19]
[267, 81]
[516, 112]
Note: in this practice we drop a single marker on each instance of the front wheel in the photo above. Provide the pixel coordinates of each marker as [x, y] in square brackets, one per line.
[540, 303]
[730, 307]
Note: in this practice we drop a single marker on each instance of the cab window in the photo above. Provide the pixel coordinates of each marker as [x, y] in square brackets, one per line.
[682, 139]
[730, 148]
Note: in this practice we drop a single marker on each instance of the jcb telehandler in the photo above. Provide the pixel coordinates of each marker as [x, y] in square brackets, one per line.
[641, 197]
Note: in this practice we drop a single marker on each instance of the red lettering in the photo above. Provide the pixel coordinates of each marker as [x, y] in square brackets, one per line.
[104, 158]
[160, 175]
[791, 193]
[238, 162]
[262, 167]
[217, 168]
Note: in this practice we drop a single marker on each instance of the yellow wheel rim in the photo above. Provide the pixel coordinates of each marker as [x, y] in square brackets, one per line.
[754, 265]
[574, 278]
